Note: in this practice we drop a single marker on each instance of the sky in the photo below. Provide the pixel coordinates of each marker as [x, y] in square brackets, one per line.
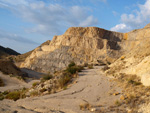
[25, 24]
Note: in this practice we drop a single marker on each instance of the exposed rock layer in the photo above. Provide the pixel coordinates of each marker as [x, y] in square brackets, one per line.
[136, 58]
[94, 45]
[81, 45]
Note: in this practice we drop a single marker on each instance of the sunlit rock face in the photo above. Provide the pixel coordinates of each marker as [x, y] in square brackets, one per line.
[136, 55]
[78, 44]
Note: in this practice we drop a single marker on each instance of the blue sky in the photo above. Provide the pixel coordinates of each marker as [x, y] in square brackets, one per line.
[25, 24]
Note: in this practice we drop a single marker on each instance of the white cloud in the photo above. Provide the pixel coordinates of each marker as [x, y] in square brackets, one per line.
[121, 28]
[135, 20]
[50, 19]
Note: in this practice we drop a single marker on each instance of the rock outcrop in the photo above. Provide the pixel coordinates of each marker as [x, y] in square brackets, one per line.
[130, 51]
[78, 44]
[137, 55]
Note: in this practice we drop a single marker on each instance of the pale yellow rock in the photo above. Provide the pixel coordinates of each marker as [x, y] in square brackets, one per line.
[146, 79]
[88, 44]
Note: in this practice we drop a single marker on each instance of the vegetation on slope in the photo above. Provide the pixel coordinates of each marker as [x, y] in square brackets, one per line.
[48, 84]
[134, 93]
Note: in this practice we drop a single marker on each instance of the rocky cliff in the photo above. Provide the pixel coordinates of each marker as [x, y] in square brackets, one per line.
[130, 51]
[78, 44]
[135, 61]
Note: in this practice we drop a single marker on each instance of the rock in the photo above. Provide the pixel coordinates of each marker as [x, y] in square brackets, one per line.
[147, 26]
[137, 55]
[146, 79]
[92, 109]
[92, 45]
[78, 44]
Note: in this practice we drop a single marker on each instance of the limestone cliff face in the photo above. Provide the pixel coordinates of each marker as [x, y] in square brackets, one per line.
[136, 59]
[78, 44]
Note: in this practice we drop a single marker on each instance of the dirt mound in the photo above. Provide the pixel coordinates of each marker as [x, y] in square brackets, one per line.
[8, 67]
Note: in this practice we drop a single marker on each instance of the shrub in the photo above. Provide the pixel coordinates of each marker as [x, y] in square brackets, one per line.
[15, 95]
[1, 96]
[34, 93]
[134, 80]
[71, 64]
[74, 69]
[105, 68]
[35, 84]
[90, 67]
[117, 103]
[43, 90]
[64, 80]
[80, 68]
[1, 82]
[86, 64]
[47, 77]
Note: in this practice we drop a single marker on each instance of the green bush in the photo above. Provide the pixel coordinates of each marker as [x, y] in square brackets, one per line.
[71, 64]
[35, 84]
[74, 69]
[13, 95]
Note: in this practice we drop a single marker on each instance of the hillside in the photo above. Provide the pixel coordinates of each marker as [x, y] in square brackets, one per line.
[81, 45]
[9, 68]
[119, 86]
[136, 61]
[4, 52]
[94, 45]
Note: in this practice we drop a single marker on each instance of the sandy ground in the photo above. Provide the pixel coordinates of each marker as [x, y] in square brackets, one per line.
[92, 86]
[12, 83]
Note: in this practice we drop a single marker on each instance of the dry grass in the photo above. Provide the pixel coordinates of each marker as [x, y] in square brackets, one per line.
[133, 90]
[34, 93]
[15, 95]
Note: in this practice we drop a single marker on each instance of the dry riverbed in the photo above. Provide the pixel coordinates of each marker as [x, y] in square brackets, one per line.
[93, 91]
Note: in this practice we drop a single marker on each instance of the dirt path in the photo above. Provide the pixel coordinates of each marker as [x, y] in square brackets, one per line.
[92, 86]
